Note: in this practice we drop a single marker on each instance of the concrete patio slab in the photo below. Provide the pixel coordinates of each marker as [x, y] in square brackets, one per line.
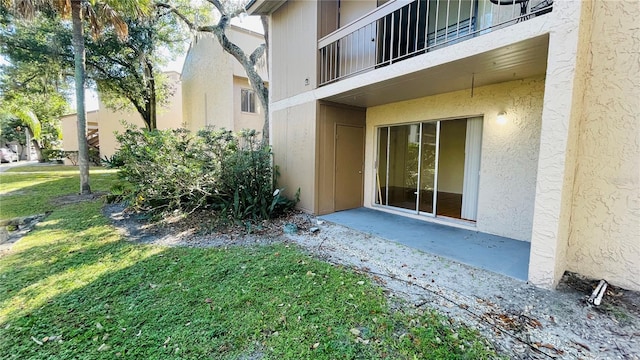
[485, 251]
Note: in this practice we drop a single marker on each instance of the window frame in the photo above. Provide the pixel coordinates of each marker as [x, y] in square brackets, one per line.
[248, 101]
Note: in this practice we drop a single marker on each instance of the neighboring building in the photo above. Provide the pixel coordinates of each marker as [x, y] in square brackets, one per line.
[213, 91]
[516, 118]
[216, 90]
[102, 124]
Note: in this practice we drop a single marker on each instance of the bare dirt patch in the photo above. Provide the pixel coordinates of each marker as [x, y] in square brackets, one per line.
[77, 198]
[524, 322]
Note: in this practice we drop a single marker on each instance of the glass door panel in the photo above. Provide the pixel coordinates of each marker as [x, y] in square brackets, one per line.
[402, 176]
[381, 168]
[428, 161]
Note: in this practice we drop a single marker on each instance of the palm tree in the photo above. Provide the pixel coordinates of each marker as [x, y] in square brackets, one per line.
[96, 13]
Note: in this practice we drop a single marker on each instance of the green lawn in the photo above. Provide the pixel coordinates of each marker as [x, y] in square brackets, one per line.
[73, 288]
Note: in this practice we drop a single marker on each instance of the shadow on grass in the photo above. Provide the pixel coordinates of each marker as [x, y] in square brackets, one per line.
[75, 281]
[15, 203]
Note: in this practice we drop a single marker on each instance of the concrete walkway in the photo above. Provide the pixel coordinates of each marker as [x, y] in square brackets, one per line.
[489, 252]
[6, 166]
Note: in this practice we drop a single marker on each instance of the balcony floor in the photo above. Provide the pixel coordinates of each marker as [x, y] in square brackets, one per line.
[485, 251]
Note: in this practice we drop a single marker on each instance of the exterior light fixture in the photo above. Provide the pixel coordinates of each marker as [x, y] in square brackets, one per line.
[501, 118]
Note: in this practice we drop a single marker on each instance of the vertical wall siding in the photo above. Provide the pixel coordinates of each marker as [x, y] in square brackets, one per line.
[294, 49]
[294, 151]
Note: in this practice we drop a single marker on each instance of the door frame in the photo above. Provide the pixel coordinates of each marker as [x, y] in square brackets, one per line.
[417, 212]
[335, 159]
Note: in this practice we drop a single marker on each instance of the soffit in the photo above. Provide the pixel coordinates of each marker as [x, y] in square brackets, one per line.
[513, 62]
[263, 7]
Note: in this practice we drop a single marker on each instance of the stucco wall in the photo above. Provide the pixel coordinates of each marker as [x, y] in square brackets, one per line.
[207, 81]
[69, 124]
[351, 10]
[245, 120]
[294, 49]
[168, 116]
[558, 141]
[509, 151]
[248, 42]
[210, 80]
[604, 240]
[108, 121]
[293, 140]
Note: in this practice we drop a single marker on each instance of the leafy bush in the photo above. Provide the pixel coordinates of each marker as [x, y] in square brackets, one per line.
[112, 162]
[53, 155]
[175, 170]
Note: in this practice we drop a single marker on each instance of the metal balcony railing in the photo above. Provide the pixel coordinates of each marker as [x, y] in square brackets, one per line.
[401, 29]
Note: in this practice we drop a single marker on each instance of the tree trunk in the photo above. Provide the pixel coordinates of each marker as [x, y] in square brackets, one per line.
[252, 74]
[151, 87]
[79, 59]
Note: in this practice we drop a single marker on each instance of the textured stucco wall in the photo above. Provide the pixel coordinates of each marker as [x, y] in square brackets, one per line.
[69, 125]
[108, 121]
[168, 116]
[207, 83]
[248, 41]
[558, 141]
[245, 120]
[509, 151]
[604, 241]
[294, 151]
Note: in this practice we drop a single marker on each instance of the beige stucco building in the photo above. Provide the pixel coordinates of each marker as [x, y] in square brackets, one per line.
[212, 91]
[216, 91]
[104, 123]
[515, 118]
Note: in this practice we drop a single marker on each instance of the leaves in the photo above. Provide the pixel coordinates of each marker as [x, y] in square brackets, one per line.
[173, 170]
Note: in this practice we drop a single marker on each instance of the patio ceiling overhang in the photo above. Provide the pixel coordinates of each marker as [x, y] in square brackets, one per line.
[516, 61]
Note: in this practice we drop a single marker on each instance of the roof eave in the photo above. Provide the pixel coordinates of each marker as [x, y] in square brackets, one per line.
[263, 7]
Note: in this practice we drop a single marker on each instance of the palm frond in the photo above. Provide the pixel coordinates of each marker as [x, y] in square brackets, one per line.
[30, 120]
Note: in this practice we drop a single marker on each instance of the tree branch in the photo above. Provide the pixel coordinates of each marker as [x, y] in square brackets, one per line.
[257, 54]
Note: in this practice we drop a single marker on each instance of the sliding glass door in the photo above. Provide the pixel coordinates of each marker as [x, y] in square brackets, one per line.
[406, 173]
[429, 168]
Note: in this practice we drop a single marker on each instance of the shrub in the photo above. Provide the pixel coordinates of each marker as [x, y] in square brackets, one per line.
[59, 155]
[171, 170]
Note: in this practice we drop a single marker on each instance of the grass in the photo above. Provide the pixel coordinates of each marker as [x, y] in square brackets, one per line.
[73, 288]
[28, 190]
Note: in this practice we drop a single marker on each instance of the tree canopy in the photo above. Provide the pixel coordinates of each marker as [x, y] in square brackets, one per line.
[126, 73]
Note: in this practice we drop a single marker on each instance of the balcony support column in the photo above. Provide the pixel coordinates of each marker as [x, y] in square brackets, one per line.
[564, 88]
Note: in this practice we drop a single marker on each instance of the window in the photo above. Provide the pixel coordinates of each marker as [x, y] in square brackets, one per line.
[247, 101]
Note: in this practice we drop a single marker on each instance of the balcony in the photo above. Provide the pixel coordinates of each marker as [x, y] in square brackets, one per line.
[399, 30]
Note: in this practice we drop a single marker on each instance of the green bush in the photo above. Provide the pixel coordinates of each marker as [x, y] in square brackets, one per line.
[59, 155]
[171, 170]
